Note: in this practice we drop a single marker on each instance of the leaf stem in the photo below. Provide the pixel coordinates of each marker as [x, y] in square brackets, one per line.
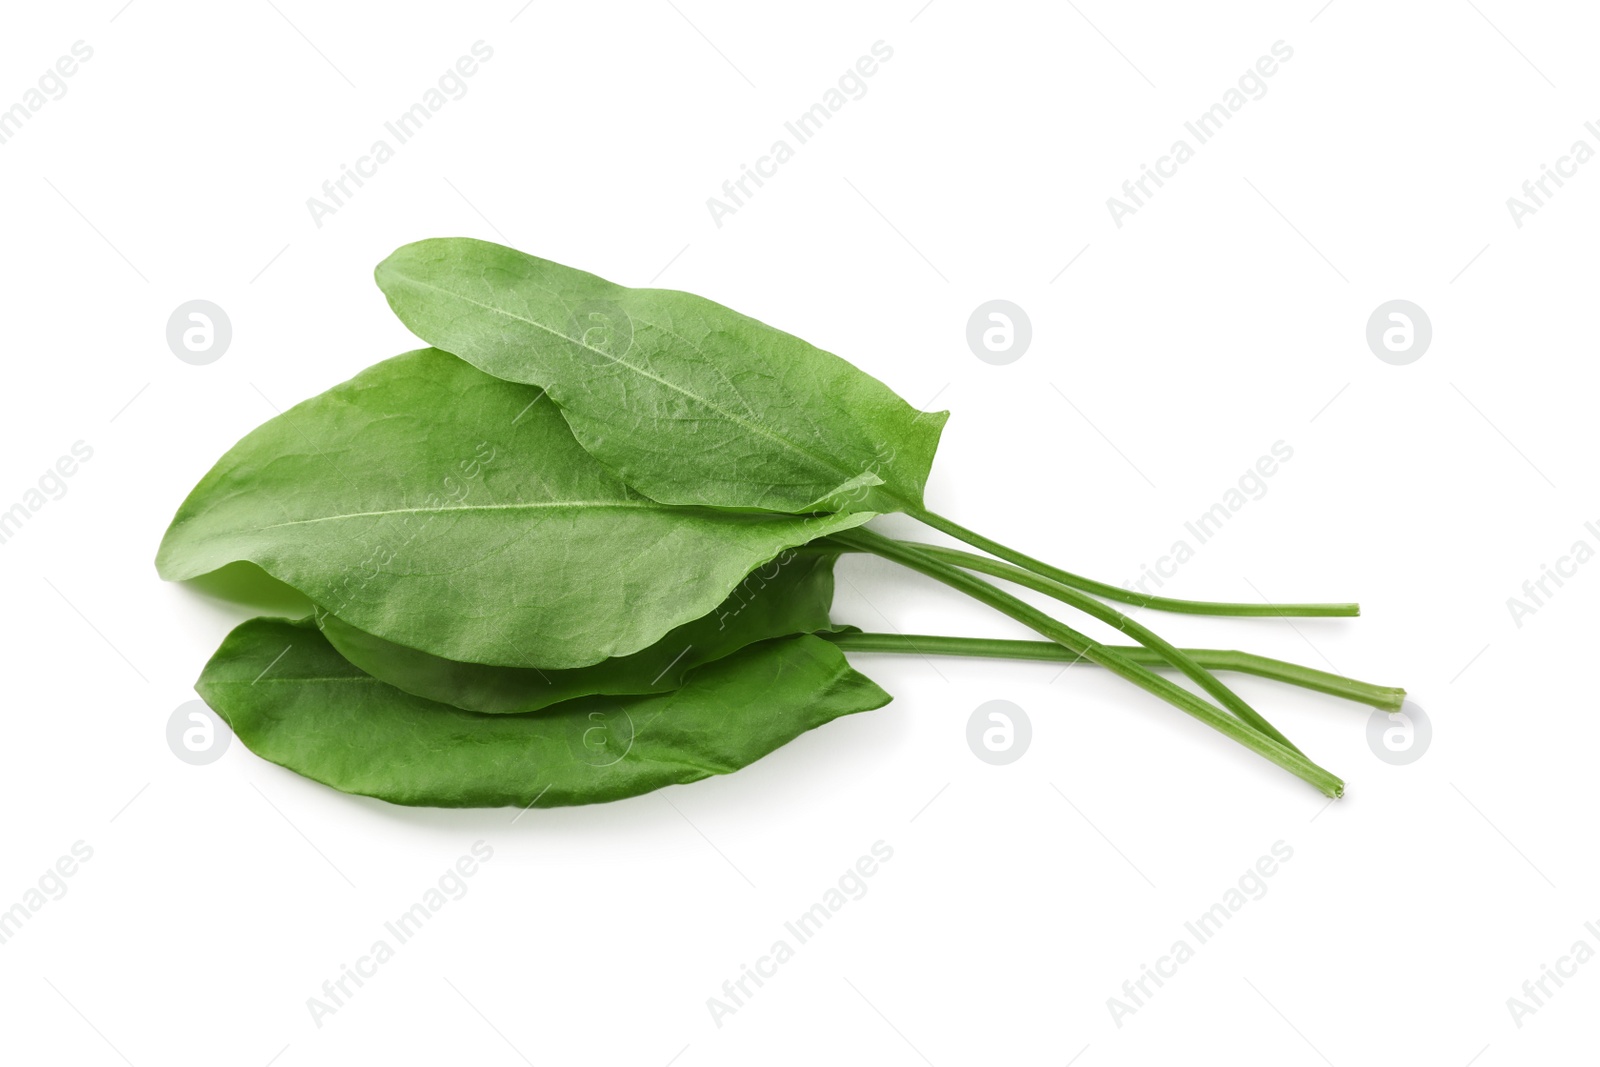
[1128, 596]
[1384, 698]
[1112, 617]
[1087, 648]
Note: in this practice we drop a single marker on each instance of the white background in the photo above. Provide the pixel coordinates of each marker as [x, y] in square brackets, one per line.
[1228, 314]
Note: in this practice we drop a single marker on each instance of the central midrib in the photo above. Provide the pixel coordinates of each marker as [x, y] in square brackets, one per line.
[648, 504]
[753, 427]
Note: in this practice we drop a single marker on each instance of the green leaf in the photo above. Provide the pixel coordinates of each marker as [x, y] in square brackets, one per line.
[295, 701]
[449, 511]
[691, 402]
[790, 595]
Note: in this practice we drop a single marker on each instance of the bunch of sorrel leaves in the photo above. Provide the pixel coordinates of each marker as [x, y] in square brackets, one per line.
[584, 546]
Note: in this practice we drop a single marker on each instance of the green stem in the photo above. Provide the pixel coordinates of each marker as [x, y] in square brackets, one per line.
[1384, 698]
[1127, 596]
[1087, 648]
[1112, 617]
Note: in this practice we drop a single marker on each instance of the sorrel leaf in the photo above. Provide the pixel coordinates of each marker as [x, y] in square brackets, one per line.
[295, 701]
[790, 595]
[691, 402]
[449, 511]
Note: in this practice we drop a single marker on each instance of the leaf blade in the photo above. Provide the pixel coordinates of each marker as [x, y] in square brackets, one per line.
[724, 411]
[446, 510]
[320, 716]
